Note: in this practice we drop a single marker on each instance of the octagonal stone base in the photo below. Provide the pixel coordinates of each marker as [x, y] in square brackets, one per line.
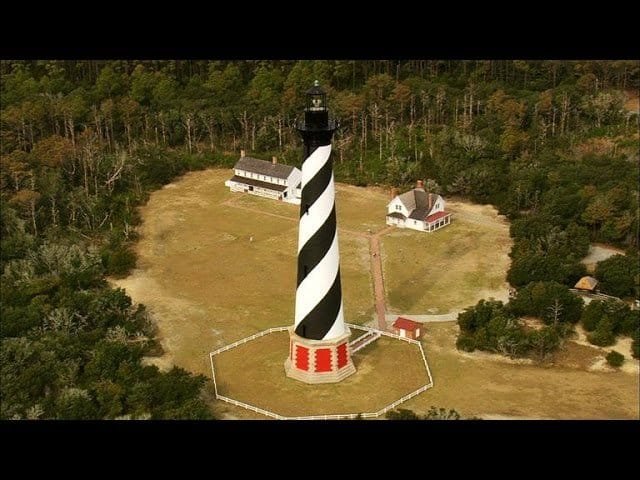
[319, 361]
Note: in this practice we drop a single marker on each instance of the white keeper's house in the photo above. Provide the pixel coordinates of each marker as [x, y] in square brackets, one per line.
[266, 179]
[418, 209]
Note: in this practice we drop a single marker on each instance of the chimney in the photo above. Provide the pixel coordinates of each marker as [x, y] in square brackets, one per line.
[241, 153]
[420, 184]
[274, 160]
[430, 201]
[394, 192]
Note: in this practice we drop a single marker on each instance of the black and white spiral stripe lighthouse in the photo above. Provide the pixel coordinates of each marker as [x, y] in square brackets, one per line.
[319, 347]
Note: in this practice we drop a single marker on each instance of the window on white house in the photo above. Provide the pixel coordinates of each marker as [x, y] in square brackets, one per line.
[415, 222]
[398, 207]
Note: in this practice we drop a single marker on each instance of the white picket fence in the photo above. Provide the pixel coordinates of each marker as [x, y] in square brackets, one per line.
[338, 416]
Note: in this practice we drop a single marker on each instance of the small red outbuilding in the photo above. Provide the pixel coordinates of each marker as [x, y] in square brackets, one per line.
[407, 328]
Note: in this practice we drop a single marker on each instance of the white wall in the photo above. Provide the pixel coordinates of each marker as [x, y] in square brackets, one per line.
[293, 180]
[414, 224]
[439, 204]
[391, 207]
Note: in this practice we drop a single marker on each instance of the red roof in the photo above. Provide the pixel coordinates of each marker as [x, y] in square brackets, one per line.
[406, 324]
[436, 216]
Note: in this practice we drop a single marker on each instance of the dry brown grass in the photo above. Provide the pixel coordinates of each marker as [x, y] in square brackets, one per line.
[449, 269]
[361, 209]
[254, 373]
[208, 285]
[478, 384]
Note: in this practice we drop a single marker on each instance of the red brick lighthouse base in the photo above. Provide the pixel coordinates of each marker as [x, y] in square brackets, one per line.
[319, 361]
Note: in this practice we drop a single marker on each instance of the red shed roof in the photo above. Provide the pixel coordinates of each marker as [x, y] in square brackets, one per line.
[436, 216]
[406, 324]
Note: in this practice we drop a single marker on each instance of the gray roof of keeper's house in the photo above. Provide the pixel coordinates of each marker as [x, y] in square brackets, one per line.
[417, 202]
[263, 167]
[416, 197]
[419, 213]
[258, 183]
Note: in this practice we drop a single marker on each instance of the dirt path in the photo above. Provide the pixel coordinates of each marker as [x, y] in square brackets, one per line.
[599, 252]
[376, 272]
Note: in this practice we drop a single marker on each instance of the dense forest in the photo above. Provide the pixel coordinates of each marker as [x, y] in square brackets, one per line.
[82, 143]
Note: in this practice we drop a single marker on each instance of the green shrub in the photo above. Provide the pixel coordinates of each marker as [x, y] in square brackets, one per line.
[441, 414]
[629, 323]
[601, 338]
[119, 261]
[615, 359]
[548, 301]
[617, 275]
[592, 314]
[402, 414]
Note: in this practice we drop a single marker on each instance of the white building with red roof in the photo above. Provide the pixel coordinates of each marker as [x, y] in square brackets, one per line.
[407, 328]
[419, 210]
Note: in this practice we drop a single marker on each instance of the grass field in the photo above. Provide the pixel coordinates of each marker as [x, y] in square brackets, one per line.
[358, 209]
[207, 285]
[449, 269]
[361, 209]
[254, 373]
[481, 384]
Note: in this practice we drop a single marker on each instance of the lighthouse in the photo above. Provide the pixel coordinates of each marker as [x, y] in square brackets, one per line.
[319, 338]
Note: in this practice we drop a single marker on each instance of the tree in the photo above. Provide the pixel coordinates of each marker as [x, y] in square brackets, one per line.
[615, 359]
[603, 335]
[598, 211]
[592, 314]
[441, 414]
[433, 414]
[53, 151]
[76, 404]
[109, 82]
[635, 344]
[544, 342]
[549, 301]
[474, 318]
[618, 275]
[402, 414]
[27, 200]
